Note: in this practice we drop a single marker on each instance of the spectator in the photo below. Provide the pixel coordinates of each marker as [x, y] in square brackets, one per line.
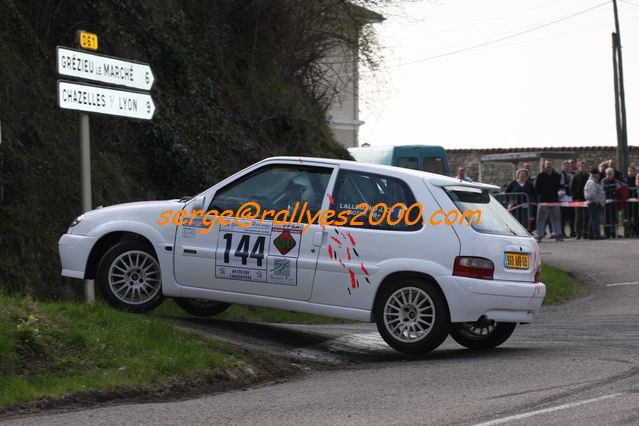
[594, 194]
[547, 186]
[632, 208]
[611, 187]
[613, 165]
[567, 213]
[531, 178]
[573, 166]
[577, 184]
[461, 174]
[523, 185]
[632, 175]
[602, 168]
[634, 211]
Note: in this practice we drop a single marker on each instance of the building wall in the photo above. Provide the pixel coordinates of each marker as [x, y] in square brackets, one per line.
[343, 114]
[502, 173]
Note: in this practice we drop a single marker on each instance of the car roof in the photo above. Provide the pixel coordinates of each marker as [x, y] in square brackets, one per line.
[435, 179]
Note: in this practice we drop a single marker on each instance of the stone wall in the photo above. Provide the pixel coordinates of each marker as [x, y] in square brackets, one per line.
[502, 173]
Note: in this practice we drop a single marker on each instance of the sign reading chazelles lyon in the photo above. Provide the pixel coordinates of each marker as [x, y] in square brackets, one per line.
[105, 69]
[84, 97]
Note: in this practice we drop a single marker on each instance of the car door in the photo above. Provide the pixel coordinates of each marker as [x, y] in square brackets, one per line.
[352, 253]
[272, 254]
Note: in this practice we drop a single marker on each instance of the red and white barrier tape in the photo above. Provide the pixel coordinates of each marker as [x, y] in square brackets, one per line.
[572, 203]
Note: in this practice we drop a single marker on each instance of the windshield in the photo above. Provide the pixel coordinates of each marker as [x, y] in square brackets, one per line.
[495, 219]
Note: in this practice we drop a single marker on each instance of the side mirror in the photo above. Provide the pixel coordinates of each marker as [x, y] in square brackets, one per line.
[198, 203]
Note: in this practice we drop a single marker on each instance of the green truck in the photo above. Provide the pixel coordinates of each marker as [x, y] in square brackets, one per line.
[429, 158]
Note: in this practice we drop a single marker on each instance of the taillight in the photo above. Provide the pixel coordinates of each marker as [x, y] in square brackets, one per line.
[538, 273]
[473, 267]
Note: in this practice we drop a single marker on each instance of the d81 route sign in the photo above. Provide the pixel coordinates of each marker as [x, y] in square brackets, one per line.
[123, 103]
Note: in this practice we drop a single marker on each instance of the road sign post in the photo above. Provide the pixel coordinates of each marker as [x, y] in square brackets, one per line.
[86, 98]
[85, 186]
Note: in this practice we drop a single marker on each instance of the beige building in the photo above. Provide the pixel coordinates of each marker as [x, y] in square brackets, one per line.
[342, 71]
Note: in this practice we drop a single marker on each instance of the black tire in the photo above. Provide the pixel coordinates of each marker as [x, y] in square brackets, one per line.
[119, 284]
[472, 336]
[395, 323]
[201, 307]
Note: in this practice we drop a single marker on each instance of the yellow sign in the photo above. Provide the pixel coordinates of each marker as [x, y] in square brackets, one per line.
[88, 40]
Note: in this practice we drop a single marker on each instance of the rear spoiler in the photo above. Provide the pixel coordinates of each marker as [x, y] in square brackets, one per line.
[446, 181]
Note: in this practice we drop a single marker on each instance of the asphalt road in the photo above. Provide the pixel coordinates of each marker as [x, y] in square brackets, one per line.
[577, 364]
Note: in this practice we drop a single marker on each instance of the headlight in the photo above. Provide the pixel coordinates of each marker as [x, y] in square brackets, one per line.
[76, 221]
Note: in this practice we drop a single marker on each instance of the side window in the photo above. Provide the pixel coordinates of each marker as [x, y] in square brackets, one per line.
[408, 163]
[276, 188]
[353, 188]
[434, 165]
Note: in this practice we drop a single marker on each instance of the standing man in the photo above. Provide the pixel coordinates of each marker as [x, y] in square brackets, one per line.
[567, 213]
[573, 166]
[596, 198]
[531, 176]
[547, 185]
[611, 187]
[577, 184]
[613, 165]
[461, 174]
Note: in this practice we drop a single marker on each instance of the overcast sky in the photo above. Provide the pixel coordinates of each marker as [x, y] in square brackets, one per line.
[549, 87]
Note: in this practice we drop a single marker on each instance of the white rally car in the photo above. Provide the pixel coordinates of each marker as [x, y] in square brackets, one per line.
[419, 282]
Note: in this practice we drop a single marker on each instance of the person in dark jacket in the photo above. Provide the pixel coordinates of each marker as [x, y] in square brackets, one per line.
[567, 213]
[611, 187]
[547, 186]
[522, 185]
[613, 164]
[631, 212]
[632, 173]
[577, 184]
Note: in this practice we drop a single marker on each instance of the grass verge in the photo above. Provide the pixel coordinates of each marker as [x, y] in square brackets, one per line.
[560, 285]
[55, 349]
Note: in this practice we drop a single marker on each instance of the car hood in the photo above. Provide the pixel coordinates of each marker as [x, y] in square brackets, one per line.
[147, 212]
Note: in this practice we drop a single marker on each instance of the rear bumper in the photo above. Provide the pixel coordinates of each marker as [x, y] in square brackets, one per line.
[74, 252]
[507, 301]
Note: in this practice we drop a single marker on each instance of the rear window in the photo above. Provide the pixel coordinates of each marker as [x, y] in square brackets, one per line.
[495, 219]
[408, 163]
[434, 165]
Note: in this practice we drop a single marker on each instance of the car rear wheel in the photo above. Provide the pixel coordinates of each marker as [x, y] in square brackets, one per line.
[412, 316]
[201, 307]
[482, 334]
[129, 277]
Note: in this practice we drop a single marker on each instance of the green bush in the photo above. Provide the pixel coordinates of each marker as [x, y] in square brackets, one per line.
[231, 88]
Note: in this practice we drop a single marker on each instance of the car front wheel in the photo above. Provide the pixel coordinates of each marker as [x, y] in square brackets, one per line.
[129, 277]
[482, 334]
[412, 316]
[201, 307]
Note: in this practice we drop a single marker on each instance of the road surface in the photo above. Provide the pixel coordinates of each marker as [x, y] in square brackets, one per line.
[577, 364]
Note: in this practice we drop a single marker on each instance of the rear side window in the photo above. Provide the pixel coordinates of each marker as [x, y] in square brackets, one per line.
[495, 219]
[408, 163]
[434, 165]
[353, 188]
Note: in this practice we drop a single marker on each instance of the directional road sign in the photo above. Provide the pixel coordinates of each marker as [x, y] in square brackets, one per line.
[105, 69]
[124, 103]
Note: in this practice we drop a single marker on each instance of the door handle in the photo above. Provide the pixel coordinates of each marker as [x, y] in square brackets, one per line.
[318, 238]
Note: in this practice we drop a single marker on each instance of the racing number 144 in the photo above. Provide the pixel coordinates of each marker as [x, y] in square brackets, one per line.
[242, 250]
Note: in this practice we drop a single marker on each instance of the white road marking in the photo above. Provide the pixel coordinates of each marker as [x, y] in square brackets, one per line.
[545, 411]
[618, 284]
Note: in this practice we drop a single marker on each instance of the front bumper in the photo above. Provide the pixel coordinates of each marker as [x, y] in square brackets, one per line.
[507, 301]
[74, 253]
